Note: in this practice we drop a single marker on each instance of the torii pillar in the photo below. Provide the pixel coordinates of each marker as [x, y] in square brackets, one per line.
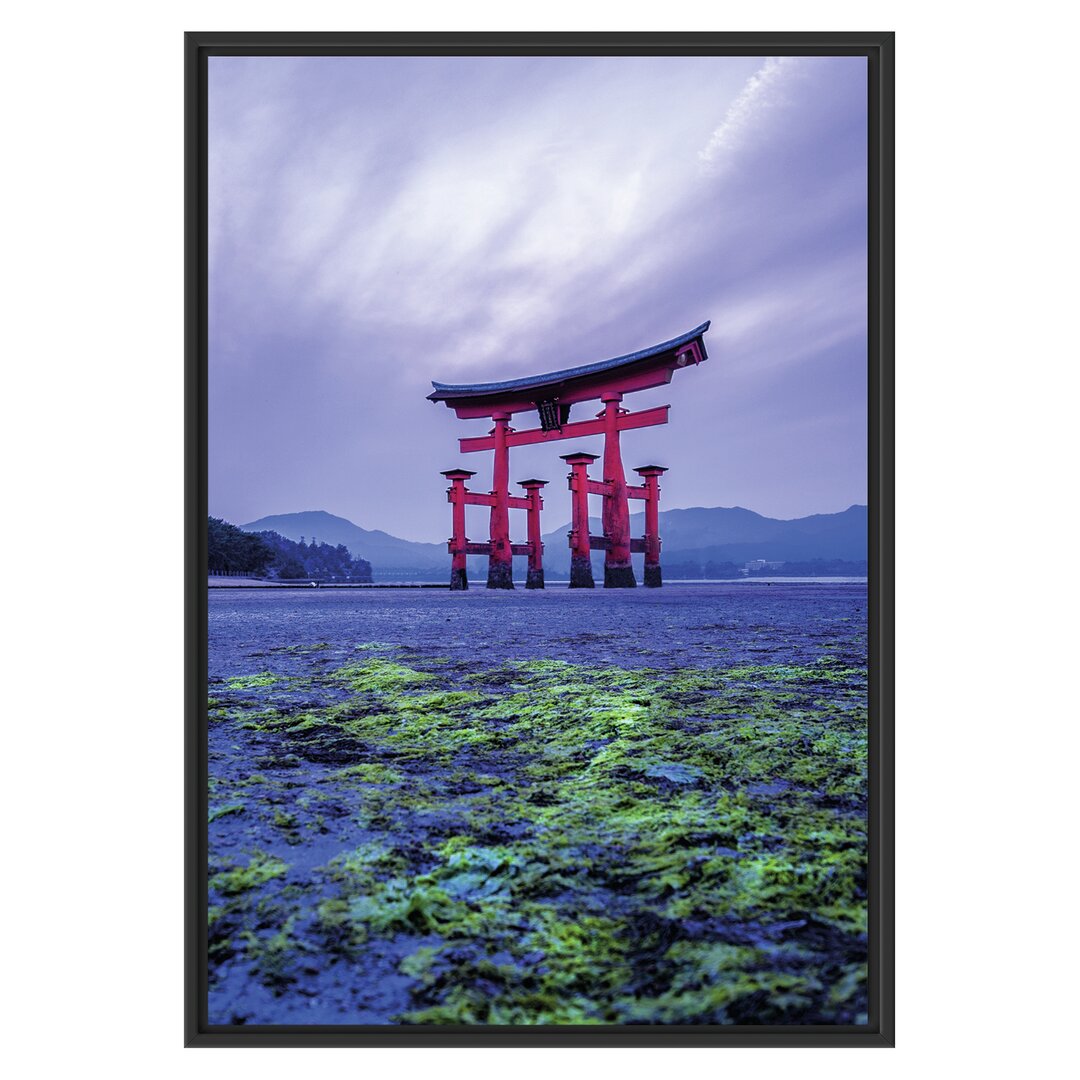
[535, 578]
[581, 576]
[455, 495]
[651, 474]
[500, 559]
[618, 572]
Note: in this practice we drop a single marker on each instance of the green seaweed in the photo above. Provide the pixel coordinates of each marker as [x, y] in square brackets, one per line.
[260, 869]
[379, 676]
[274, 956]
[252, 682]
[566, 844]
[368, 773]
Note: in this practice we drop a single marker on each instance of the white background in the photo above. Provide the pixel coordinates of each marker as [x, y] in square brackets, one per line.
[92, 434]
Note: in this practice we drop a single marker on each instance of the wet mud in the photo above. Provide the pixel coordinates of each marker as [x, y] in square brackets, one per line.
[558, 807]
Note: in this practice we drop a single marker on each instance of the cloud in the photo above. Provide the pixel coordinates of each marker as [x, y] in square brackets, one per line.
[764, 90]
[379, 223]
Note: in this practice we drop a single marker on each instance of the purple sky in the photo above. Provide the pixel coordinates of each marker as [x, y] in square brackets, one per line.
[379, 223]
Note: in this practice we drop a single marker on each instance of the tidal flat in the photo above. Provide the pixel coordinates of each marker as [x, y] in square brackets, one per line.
[587, 807]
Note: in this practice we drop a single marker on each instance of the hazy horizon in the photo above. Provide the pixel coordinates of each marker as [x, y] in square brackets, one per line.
[481, 516]
[376, 223]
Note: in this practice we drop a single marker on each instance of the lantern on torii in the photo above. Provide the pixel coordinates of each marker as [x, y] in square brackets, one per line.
[551, 397]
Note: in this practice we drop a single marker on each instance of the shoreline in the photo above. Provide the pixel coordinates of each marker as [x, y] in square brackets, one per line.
[252, 583]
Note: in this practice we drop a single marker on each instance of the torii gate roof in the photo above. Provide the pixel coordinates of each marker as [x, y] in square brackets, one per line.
[634, 371]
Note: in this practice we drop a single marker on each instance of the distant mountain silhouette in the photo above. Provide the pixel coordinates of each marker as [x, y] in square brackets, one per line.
[718, 534]
[733, 534]
[386, 553]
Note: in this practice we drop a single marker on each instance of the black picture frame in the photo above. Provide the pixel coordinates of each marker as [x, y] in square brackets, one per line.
[879, 50]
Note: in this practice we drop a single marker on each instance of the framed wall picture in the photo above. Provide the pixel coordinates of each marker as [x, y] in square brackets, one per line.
[539, 474]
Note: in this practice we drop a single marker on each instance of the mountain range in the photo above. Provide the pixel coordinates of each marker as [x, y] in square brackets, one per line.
[698, 535]
[383, 551]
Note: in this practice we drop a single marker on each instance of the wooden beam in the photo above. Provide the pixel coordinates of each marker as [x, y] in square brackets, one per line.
[600, 543]
[479, 498]
[577, 430]
[475, 548]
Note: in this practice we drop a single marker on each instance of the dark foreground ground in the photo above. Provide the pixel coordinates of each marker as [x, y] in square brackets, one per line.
[538, 808]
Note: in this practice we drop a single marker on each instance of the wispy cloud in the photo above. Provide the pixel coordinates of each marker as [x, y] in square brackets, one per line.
[379, 223]
[764, 90]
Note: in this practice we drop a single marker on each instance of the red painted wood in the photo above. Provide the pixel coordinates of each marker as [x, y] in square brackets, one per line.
[480, 498]
[689, 354]
[625, 374]
[616, 512]
[578, 481]
[586, 390]
[580, 428]
[616, 541]
[500, 560]
[651, 475]
[457, 544]
[536, 504]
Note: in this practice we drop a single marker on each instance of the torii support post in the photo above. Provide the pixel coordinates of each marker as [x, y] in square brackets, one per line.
[651, 475]
[500, 559]
[535, 577]
[618, 571]
[455, 495]
[581, 576]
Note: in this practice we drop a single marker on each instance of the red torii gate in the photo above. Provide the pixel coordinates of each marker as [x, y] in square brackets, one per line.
[551, 396]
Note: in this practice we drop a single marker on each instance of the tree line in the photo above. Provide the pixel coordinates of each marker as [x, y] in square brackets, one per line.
[269, 554]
